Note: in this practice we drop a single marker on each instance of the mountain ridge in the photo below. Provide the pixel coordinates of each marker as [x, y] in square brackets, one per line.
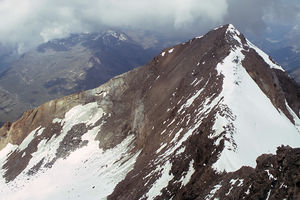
[168, 126]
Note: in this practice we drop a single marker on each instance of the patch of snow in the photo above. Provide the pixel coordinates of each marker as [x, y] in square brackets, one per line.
[163, 53]
[161, 148]
[171, 50]
[175, 138]
[199, 37]
[88, 173]
[282, 185]
[229, 191]
[104, 94]
[171, 122]
[6, 151]
[163, 131]
[241, 182]
[191, 100]
[56, 120]
[116, 35]
[189, 119]
[161, 182]
[88, 114]
[271, 177]
[213, 192]
[122, 37]
[28, 139]
[248, 190]
[194, 81]
[268, 195]
[218, 27]
[183, 139]
[40, 131]
[180, 150]
[233, 181]
[185, 179]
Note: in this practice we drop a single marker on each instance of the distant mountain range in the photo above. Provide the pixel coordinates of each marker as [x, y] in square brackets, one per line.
[64, 66]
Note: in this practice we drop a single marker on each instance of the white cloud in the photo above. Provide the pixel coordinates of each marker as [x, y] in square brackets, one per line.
[33, 21]
[30, 22]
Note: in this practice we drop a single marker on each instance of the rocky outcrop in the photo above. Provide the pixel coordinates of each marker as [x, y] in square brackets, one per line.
[275, 177]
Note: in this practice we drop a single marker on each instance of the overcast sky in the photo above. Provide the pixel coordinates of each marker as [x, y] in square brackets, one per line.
[29, 22]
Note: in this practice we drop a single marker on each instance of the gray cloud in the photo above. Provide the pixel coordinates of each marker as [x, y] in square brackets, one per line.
[29, 22]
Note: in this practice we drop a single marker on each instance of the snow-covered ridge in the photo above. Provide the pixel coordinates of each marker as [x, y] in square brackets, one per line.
[264, 56]
[234, 33]
[250, 129]
[187, 109]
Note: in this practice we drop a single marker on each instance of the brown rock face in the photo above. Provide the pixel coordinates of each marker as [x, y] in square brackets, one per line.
[170, 107]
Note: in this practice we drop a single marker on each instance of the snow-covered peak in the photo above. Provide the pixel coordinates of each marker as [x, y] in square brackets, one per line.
[232, 30]
[159, 128]
[236, 35]
[119, 36]
[242, 117]
[233, 34]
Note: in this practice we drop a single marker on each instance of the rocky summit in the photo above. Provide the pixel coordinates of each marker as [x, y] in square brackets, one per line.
[211, 118]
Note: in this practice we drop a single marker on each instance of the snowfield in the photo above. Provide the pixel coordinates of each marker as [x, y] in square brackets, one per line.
[88, 173]
[258, 127]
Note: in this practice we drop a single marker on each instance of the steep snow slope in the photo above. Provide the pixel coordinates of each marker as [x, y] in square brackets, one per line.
[172, 129]
[87, 173]
[257, 126]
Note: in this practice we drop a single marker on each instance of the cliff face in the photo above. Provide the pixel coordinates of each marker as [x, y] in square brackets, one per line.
[181, 127]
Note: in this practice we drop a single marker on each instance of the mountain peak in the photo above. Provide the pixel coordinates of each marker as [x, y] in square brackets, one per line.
[232, 28]
[172, 129]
